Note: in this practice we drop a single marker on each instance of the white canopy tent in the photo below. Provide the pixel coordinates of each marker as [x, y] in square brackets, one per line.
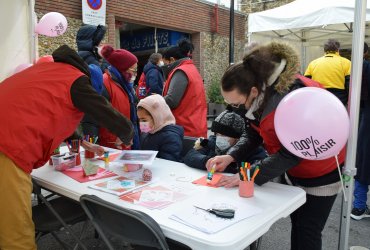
[307, 24]
[18, 39]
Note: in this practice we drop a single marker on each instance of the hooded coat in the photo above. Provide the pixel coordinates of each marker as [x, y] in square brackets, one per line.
[277, 66]
[87, 39]
[165, 136]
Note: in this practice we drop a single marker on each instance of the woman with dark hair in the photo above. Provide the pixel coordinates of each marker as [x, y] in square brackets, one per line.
[258, 84]
[184, 90]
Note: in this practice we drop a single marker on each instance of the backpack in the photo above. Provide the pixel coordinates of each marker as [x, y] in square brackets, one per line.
[141, 89]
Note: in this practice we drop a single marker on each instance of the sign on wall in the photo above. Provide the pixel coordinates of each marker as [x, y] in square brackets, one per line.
[142, 41]
[93, 12]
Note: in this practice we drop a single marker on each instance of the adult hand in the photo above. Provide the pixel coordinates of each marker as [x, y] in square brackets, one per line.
[228, 181]
[99, 150]
[221, 162]
[93, 148]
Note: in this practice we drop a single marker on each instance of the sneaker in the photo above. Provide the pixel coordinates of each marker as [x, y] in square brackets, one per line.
[358, 214]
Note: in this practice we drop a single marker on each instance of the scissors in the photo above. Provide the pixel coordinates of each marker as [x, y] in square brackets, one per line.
[222, 213]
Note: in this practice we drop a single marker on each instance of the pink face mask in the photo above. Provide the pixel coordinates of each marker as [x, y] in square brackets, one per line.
[145, 127]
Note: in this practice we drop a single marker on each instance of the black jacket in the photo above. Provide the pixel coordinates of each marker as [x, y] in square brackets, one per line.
[167, 141]
[198, 158]
[87, 39]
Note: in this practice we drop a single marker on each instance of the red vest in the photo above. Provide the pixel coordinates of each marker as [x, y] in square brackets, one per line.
[191, 113]
[306, 168]
[120, 101]
[37, 113]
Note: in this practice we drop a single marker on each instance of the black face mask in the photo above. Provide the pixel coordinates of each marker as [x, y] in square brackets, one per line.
[241, 110]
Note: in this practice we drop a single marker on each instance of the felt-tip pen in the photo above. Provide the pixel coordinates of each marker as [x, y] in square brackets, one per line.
[210, 173]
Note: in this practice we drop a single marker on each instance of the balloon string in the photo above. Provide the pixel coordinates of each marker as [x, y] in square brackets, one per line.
[341, 180]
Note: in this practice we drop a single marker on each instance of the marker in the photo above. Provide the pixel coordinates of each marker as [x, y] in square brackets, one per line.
[256, 171]
[106, 160]
[210, 173]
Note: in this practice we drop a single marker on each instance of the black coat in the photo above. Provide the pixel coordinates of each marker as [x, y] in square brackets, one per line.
[167, 141]
[363, 142]
[87, 39]
[198, 158]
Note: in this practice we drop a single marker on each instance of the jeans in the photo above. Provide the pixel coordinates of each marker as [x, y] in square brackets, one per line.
[360, 194]
[309, 220]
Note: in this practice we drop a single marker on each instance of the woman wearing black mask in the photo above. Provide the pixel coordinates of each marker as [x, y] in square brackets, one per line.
[267, 74]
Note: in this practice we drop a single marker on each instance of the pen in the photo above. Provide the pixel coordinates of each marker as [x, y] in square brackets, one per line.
[106, 160]
[210, 173]
[255, 173]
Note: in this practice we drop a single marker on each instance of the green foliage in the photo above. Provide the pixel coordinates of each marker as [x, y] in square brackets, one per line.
[214, 93]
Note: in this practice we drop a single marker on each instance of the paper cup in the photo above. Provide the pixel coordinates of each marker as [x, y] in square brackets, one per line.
[246, 189]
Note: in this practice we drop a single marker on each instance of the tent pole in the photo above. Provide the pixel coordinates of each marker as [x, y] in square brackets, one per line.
[231, 39]
[354, 106]
[32, 34]
[303, 52]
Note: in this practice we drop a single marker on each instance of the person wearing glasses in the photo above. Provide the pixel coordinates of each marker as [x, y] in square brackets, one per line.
[258, 84]
[118, 83]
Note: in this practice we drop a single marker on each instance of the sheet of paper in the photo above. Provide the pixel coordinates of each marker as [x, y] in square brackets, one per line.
[159, 196]
[203, 181]
[78, 174]
[119, 185]
[210, 223]
[156, 196]
[137, 157]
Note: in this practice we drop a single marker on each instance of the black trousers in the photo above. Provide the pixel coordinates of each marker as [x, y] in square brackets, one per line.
[309, 220]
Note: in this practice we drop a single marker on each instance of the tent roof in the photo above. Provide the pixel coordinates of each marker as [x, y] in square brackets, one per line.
[304, 14]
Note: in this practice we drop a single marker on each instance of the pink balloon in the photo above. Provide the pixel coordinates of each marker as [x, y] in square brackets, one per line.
[22, 67]
[312, 123]
[52, 24]
[44, 59]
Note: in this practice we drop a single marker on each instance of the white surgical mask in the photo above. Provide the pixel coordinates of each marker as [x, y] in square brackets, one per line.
[133, 78]
[145, 127]
[161, 63]
[222, 143]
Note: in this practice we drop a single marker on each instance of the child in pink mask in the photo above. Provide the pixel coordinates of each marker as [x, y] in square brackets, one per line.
[158, 128]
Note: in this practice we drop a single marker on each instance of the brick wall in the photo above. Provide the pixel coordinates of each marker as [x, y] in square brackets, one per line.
[192, 16]
[186, 15]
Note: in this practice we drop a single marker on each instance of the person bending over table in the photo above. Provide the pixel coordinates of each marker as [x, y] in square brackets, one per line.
[257, 84]
[40, 107]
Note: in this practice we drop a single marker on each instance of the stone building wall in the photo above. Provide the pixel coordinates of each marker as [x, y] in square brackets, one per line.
[46, 45]
[215, 56]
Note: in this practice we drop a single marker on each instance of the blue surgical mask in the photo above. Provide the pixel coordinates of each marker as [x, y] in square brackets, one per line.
[222, 143]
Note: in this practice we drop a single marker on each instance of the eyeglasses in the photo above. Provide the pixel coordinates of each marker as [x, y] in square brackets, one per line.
[133, 70]
[234, 105]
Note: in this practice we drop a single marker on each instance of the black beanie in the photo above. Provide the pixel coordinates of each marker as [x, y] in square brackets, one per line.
[229, 124]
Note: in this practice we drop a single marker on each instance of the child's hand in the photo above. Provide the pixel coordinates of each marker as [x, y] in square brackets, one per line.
[228, 181]
[221, 161]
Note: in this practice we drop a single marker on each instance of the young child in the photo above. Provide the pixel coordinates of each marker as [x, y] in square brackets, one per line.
[158, 128]
[228, 128]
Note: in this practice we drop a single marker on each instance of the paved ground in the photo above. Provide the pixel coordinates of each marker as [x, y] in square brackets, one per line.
[277, 238]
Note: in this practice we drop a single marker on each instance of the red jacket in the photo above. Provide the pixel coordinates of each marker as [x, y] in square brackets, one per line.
[37, 113]
[306, 168]
[120, 101]
[191, 113]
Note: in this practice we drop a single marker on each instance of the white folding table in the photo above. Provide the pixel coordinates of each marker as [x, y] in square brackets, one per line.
[277, 200]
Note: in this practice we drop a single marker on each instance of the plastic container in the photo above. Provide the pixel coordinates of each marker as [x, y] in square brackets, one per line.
[64, 161]
[132, 167]
[246, 189]
[89, 154]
